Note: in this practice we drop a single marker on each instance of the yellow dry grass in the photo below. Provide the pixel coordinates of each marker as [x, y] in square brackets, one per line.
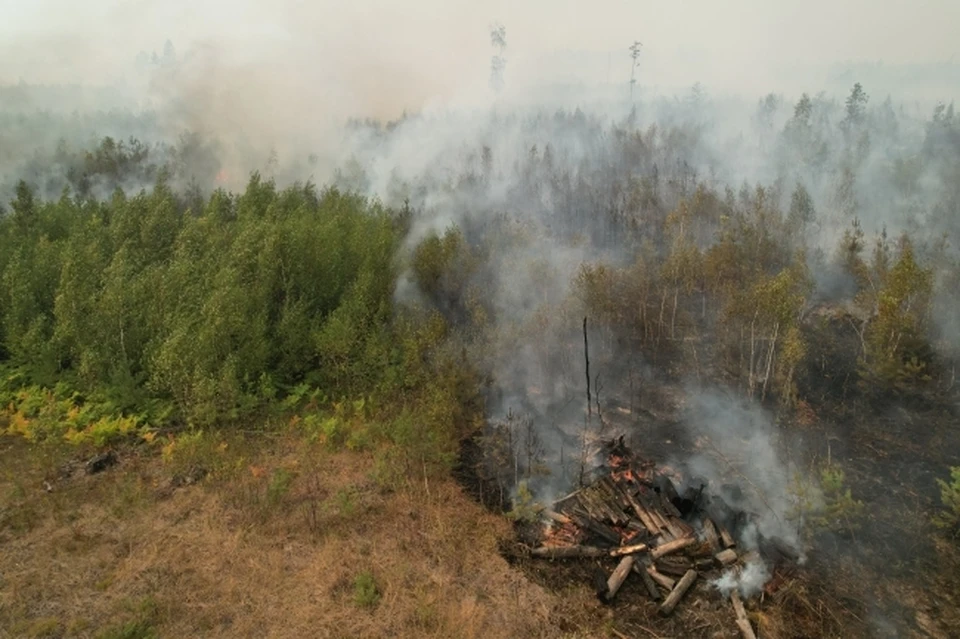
[260, 552]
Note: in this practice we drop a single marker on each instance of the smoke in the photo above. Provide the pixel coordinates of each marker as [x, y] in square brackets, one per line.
[737, 454]
[549, 161]
[749, 580]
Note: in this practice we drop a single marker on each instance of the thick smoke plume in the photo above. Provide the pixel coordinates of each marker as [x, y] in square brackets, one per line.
[741, 459]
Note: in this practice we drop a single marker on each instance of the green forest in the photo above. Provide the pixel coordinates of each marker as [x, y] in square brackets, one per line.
[168, 306]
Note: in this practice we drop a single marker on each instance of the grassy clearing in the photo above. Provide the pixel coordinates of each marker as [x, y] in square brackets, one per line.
[279, 537]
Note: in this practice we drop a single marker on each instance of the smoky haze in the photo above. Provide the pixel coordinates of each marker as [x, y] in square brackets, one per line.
[377, 58]
[273, 84]
[283, 76]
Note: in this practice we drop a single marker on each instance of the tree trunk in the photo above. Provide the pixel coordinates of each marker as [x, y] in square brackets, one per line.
[663, 305]
[673, 317]
[750, 382]
[586, 358]
[773, 346]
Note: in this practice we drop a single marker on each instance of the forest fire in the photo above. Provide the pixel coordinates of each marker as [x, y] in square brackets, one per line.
[634, 513]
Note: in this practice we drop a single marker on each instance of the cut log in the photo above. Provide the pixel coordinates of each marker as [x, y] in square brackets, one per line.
[660, 578]
[676, 567]
[601, 530]
[743, 623]
[667, 504]
[557, 517]
[675, 529]
[701, 550]
[726, 557]
[726, 539]
[637, 527]
[603, 509]
[628, 550]
[619, 575]
[590, 505]
[648, 582]
[703, 565]
[686, 529]
[568, 552]
[711, 535]
[608, 486]
[607, 501]
[644, 516]
[660, 521]
[746, 630]
[738, 608]
[667, 489]
[666, 608]
[672, 546]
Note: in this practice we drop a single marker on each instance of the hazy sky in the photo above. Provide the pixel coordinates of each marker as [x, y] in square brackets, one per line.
[425, 49]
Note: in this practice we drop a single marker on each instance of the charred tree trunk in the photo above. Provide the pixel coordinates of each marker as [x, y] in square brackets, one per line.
[586, 359]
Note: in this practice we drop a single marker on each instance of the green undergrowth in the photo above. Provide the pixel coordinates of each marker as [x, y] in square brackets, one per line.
[40, 414]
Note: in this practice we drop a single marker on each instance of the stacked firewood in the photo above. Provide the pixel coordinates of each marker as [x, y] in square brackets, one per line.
[634, 513]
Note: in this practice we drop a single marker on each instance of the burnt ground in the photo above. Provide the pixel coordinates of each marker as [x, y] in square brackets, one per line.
[890, 573]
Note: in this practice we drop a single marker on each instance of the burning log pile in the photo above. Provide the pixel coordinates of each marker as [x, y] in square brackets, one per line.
[634, 513]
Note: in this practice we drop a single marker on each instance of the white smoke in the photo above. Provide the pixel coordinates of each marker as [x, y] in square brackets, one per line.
[749, 579]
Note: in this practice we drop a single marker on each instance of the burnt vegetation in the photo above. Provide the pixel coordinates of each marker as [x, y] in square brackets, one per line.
[805, 264]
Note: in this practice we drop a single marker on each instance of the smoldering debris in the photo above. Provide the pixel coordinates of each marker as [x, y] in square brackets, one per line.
[634, 517]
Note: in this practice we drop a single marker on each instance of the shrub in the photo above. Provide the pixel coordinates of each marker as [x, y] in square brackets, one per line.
[949, 517]
[366, 594]
[840, 509]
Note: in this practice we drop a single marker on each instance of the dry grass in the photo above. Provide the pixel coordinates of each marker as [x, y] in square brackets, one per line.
[272, 545]
[284, 539]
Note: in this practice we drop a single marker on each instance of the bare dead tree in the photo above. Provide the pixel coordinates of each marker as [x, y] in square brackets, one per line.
[634, 57]
[586, 358]
[597, 387]
[498, 63]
